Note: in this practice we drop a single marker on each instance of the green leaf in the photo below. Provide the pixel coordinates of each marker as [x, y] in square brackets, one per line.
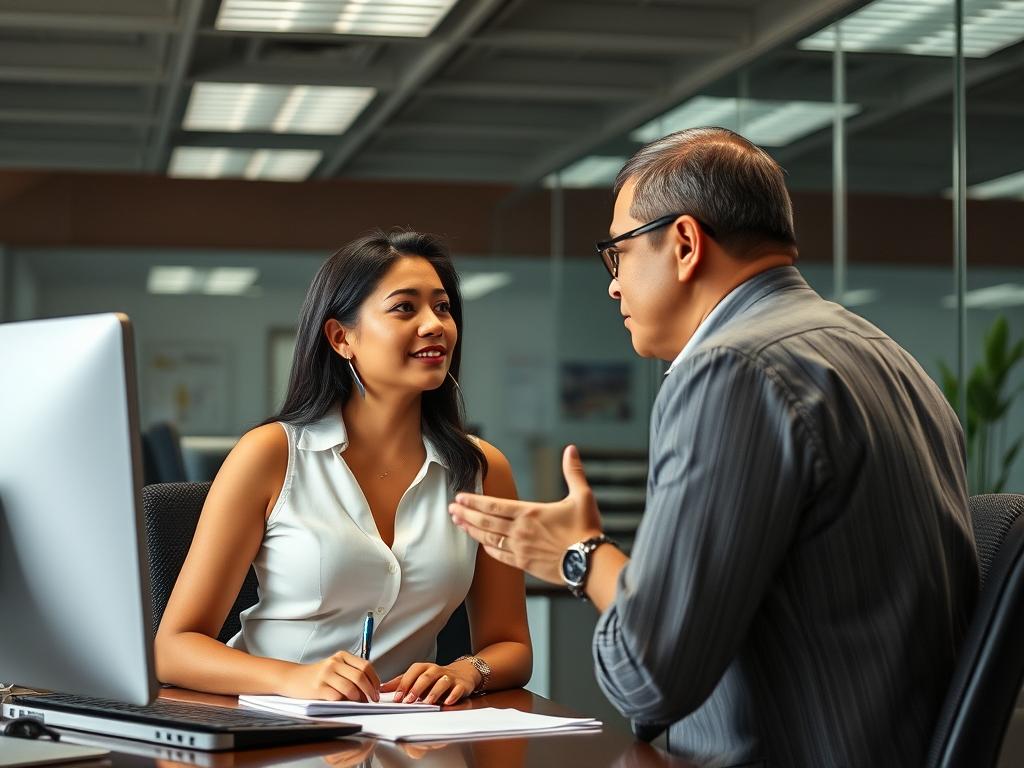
[950, 385]
[995, 345]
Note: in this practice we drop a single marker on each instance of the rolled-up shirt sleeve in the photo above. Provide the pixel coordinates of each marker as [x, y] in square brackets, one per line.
[732, 464]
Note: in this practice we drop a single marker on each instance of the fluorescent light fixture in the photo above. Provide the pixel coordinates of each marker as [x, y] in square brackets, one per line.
[392, 18]
[230, 281]
[170, 280]
[993, 297]
[858, 297]
[925, 28]
[592, 171]
[224, 163]
[765, 122]
[313, 109]
[1010, 186]
[218, 281]
[475, 285]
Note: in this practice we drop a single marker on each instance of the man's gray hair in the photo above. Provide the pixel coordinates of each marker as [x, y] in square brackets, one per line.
[718, 177]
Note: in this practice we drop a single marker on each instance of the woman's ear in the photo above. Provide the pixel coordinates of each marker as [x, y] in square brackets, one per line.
[688, 245]
[337, 337]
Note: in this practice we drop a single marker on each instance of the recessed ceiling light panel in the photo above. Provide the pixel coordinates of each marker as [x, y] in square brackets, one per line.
[312, 109]
[1010, 186]
[225, 163]
[925, 28]
[765, 122]
[591, 171]
[392, 18]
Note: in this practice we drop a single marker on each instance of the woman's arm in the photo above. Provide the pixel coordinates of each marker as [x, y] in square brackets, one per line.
[497, 617]
[497, 599]
[226, 541]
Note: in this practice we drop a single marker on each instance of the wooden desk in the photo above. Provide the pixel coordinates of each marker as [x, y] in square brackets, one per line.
[610, 747]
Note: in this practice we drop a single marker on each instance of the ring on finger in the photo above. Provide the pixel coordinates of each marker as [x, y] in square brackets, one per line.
[501, 543]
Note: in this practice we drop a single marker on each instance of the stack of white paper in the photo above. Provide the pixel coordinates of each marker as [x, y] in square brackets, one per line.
[394, 721]
[468, 724]
[291, 706]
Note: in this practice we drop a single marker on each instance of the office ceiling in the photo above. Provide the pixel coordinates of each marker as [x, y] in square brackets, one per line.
[501, 90]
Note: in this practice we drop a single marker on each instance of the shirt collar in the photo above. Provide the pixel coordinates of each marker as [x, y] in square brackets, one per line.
[329, 433]
[738, 300]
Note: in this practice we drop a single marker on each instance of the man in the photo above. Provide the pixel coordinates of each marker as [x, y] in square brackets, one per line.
[805, 569]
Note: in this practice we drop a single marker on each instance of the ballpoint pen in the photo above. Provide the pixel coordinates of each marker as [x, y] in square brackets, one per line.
[364, 651]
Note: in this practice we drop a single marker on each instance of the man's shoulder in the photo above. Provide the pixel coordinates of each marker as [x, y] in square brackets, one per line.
[770, 330]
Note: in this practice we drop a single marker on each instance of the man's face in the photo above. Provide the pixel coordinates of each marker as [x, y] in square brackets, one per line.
[647, 288]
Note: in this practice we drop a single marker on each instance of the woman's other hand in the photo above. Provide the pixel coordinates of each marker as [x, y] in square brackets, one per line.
[341, 677]
[430, 682]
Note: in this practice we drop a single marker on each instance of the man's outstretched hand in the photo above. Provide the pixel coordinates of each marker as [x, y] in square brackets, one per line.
[528, 535]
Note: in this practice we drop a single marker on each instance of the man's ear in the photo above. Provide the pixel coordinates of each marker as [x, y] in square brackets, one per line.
[337, 337]
[687, 248]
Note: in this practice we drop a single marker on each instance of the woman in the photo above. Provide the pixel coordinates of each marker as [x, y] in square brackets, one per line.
[340, 503]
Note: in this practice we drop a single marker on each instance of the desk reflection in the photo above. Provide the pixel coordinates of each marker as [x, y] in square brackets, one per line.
[364, 753]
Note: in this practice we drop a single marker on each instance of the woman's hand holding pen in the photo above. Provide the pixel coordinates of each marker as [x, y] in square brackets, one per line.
[431, 682]
[341, 677]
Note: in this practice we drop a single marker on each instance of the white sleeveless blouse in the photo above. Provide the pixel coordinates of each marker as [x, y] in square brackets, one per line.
[322, 564]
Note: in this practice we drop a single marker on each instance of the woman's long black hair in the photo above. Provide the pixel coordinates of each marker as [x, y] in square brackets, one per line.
[320, 378]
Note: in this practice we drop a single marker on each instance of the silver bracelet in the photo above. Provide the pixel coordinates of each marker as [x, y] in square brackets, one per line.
[482, 667]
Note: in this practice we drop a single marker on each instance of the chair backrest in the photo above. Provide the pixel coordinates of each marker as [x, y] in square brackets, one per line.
[990, 668]
[172, 513]
[162, 449]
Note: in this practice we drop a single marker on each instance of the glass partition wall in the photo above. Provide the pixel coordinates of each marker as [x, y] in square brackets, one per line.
[898, 126]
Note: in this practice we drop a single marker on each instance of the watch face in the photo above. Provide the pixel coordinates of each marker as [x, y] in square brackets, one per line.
[574, 566]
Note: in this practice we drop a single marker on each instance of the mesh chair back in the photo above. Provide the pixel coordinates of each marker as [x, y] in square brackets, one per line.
[990, 667]
[992, 515]
[172, 513]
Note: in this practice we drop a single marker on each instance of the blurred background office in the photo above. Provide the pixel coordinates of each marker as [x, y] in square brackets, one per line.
[191, 163]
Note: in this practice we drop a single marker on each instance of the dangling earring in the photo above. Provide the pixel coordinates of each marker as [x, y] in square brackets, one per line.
[355, 378]
[456, 383]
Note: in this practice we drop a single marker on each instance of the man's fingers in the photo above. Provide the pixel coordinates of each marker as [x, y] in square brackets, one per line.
[501, 555]
[572, 468]
[490, 505]
[482, 521]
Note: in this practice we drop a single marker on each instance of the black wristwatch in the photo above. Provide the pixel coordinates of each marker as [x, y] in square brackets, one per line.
[576, 563]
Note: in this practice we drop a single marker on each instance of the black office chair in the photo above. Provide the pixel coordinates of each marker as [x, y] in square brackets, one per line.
[172, 513]
[990, 669]
[163, 460]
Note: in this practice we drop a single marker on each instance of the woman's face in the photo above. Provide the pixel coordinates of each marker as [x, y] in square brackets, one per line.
[405, 334]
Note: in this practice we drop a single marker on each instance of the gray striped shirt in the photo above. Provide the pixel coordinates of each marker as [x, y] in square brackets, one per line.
[805, 569]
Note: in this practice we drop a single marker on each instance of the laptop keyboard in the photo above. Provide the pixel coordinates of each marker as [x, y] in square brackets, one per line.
[179, 713]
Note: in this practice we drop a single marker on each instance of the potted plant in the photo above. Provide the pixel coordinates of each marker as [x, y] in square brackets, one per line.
[990, 455]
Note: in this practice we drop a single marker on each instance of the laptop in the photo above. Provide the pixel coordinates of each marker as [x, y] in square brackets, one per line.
[74, 575]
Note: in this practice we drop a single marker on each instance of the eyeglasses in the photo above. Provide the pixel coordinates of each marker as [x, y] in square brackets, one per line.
[610, 254]
[29, 728]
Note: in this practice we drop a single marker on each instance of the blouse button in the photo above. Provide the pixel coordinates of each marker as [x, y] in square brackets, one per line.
[380, 611]
[392, 568]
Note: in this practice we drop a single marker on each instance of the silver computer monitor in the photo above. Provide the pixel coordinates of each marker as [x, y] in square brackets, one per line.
[74, 590]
